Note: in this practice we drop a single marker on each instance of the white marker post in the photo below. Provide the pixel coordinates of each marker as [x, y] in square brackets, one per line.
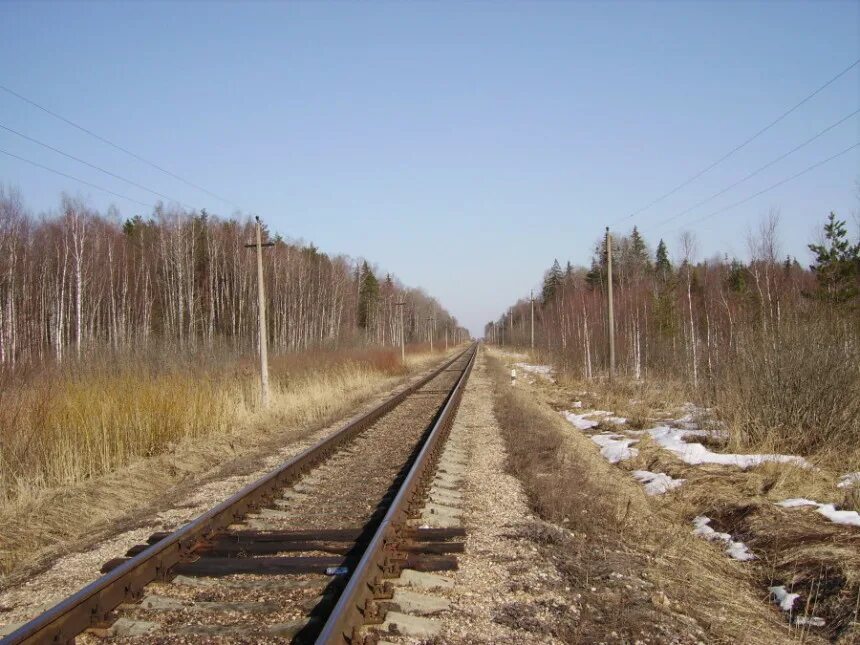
[513, 376]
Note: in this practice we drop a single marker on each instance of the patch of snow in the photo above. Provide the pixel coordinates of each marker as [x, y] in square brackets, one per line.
[577, 404]
[615, 447]
[735, 549]
[812, 621]
[656, 483]
[540, 370]
[851, 518]
[672, 439]
[584, 422]
[579, 421]
[848, 481]
[739, 551]
[795, 502]
[784, 599]
[687, 422]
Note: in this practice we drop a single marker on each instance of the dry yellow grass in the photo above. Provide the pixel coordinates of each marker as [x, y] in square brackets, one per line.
[796, 547]
[672, 585]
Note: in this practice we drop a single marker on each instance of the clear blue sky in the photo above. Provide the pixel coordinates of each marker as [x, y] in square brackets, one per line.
[461, 145]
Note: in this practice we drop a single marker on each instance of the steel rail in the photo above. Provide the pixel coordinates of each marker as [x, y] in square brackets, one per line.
[92, 605]
[358, 603]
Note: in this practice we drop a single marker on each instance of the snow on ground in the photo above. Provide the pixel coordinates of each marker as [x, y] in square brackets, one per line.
[782, 598]
[795, 502]
[851, 518]
[813, 621]
[785, 600]
[735, 549]
[579, 421]
[848, 481]
[687, 422]
[615, 447]
[583, 422]
[672, 439]
[656, 483]
[540, 370]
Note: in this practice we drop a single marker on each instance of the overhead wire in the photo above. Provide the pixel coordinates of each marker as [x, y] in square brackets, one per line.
[117, 146]
[758, 170]
[777, 184]
[78, 179]
[100, 169]
[741, 145]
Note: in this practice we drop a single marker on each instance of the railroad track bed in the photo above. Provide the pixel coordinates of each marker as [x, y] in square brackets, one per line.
[417, 606]
[301, 555]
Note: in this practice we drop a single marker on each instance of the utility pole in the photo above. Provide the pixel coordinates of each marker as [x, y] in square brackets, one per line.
[446, 338]
[430, 330]
[609, 305]
[402, 333]
[261, 309]
[532, 298]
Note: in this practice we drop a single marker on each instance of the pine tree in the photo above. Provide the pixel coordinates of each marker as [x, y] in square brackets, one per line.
[639, 255]
[368, 295]
[738, 277]
[552, 282]
[837, 264]
[594, 277]
[662, 265]
[568, 271]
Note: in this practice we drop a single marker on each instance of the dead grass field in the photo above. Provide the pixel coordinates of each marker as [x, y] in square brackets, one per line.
[84, 452]
[635, 569]
[795, 547]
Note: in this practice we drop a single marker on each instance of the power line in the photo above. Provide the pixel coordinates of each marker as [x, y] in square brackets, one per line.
[87, 163]
[758, 170]
[118, 147]
[742, 145]
[777, 184]
[87, 183]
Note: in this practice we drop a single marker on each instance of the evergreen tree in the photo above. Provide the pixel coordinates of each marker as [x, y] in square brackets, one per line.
[594, 277]
[368, 295]
[662, 265]
[639, 255]
[552, 282]
[738, 277]
[664, 313]
[837, 264]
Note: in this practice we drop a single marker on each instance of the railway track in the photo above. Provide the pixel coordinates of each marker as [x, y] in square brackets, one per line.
[303, 554]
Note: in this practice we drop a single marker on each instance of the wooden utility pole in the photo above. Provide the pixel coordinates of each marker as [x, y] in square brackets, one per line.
[532, 298]
[430, 329]
[611, 314]
[446, 338]
[402, 333]
[261, 311]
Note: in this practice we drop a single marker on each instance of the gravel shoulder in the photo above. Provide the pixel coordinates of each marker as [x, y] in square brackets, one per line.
[504, 589]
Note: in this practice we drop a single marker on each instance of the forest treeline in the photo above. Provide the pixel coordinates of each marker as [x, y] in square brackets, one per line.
[767, 332]
[79, 280]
